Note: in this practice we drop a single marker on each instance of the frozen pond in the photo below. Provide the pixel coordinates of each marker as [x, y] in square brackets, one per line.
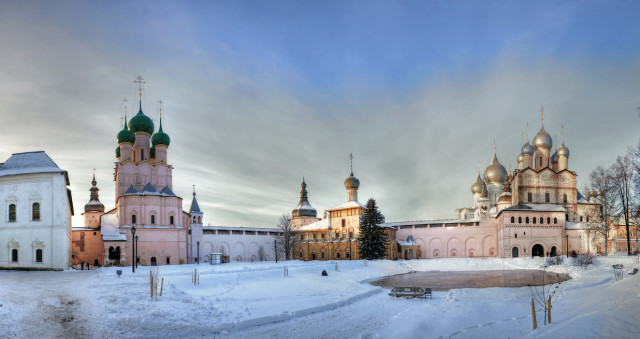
[446, 280]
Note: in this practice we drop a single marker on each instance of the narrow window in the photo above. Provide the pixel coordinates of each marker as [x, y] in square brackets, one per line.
[513, 220]
[153, 219]
[520, 220]
[12, 212]
[343, 221]
[171, 220]
[548, 220]
[38, 255]
[530, 196]
[541, 220]
[546, 197]
[141, 154]
[555, 221]
[534, 219]
[35, 211]
[168, 261]
[515, 235]
[133, 219]
[587, 218]
[580, 218]
[14, 255]
[540, 161]
[527, 220]
[564, 197]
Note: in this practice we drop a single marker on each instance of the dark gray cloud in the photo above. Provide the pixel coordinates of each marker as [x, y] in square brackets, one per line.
[245, 139]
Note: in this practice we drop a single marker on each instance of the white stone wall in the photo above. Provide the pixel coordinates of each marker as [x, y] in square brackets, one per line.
[239, 244]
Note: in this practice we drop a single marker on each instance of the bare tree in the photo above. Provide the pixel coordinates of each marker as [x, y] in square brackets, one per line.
[602, 221]
[624, 171]
[262, 255]
[286, 239]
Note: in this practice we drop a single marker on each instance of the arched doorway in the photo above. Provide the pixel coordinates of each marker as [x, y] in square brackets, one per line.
[554, 251]
[514, 252]
[537, 251]
[95, 262]
[153, 261]
[313, 256]
[114, 253]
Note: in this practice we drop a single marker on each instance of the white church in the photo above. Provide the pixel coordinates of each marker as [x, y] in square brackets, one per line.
[35, 221]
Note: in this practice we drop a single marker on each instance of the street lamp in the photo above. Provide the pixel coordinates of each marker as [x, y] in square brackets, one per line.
[198, 261]
[136, 258]
[350, 253]
[275, 250]
[133, 249]
[567, 236]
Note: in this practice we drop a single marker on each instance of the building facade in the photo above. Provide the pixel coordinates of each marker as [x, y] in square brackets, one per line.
[35, 226]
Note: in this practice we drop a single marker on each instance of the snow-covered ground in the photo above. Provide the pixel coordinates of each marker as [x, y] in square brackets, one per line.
[256, 300]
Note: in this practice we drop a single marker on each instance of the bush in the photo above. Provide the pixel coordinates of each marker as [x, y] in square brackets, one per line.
[181, 261]
[557, 260]
[574, 254]
[583, 260]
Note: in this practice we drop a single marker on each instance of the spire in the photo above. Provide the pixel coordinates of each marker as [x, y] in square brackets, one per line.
[527, 132]
[94, 204]
[124, 103]
[351, 158]
[140, 81]
[160, 129]
[93, 182]
[562, 135]
[194, 203]
[304, 208]
[542, 115]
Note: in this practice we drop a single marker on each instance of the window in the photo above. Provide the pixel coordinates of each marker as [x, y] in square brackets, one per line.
[314, 236]
[168, 261]
[587, 218]
[153, 219]
[564, 197]
[141, 154]
[35, 211]
[171, 220]
[520, 220]
[38, 255]
[534, 219]
[540, 161]
[546, 197]
[548, 220]
[527, 220]
[580, 218]
[12, 212]
[14, 255]
[343, 222]
[555, 221]
[513, 220]
[529, 197]
[321, 235]
[541, 220]
[515, 235]
[133, 219]
[338, 255]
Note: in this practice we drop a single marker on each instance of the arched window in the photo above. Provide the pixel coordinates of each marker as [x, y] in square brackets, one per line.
[527, 220]
[14, 255]
[35, 211]
[12, 212]
[541, 220]
[548, 220]
[171, 220]
[153, 261]
[133, 219]
[348, 255]
[534, 220]
[513, 220]
[153, 219]
[38, 255]
[199, 220]
[520, 220]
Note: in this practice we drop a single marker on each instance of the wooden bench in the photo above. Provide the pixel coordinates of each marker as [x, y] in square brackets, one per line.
[411, 292]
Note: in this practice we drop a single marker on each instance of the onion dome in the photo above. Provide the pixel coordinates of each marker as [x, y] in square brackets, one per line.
[520, 158]
[141, 123]
[505, 197]
[160, 138]
[126, 135]
[303, 209]
[554, 157]
[152, 153]
[352, 182]
[527, 148]
[542, 140]
[494, 173]
[118, 152]
[563, 151]
[477, 186]
[94, 204]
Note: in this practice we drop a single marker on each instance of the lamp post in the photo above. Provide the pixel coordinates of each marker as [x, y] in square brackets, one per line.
[567, 236]
[275, 250]
[136, 258]
[133, 249]
[198, 246]
[350, 253]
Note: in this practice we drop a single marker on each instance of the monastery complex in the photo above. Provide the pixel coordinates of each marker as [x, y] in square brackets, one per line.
[535, 210]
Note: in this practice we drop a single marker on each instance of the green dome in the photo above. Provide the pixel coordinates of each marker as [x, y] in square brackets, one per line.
[160, 138]
[141, 123]
[118, 152]
[152, 152]
[126, 135]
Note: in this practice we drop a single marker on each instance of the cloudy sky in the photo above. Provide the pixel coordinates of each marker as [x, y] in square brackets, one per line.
[258, 93]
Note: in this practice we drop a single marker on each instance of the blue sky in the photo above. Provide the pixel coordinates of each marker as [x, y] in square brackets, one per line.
[258, 92]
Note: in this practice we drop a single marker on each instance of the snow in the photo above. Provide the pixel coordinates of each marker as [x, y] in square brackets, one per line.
[348, 204]
[29, 162]
[241, 300]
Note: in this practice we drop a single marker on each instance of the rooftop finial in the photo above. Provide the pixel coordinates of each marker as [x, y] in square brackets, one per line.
[124, 104]
[494, 147]
[542, 115]
[527, 131]
[140, 81]
[563, 134]
[160, 104]
[351, 158]
[194, 190]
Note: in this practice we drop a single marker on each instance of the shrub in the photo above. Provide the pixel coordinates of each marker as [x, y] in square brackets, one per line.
[583, 260]
[558, 260]
[181, 261]
[574, 254]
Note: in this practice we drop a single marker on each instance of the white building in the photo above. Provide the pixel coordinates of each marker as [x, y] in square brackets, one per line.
[35, 221]
[238, 243]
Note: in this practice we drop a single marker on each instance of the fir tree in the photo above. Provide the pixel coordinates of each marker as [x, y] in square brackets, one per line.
[372, 241]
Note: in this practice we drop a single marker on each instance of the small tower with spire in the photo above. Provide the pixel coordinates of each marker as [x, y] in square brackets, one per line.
[160, 142]
[352, 183]
[304, 213]
[94, 208]
[195, 229]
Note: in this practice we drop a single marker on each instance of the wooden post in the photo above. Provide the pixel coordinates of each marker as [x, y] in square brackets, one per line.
[151, 283]
[533, 315]
[549, 307]
[161, 286]
[198, 279]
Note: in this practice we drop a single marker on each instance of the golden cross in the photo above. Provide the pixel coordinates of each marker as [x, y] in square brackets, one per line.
[160, 103]
[140, 81]
[542, 114]
[351, 157]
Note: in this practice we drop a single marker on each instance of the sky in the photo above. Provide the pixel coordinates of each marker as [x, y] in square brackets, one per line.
[259, 93]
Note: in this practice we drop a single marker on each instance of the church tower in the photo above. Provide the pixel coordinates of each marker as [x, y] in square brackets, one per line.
[304, 213]
[542, 144]
[195, 230]
[351, 184]
[94, 208]
[494, 176]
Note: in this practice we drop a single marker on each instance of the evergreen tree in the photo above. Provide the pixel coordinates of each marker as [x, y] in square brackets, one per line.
[372, 241]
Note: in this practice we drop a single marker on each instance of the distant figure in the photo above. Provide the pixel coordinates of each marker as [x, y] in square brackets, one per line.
[87, 266]
[82, 265]
[324, 273]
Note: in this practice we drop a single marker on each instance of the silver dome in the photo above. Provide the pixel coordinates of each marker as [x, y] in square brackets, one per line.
[527, 148]
[304, 208]
[477, 186]
[352, 182]
[554, 158]
[542, 140]
[494, 173]
[520, 158]
[563, 151]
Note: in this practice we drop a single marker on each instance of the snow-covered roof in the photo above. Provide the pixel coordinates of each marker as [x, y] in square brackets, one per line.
[114, 237]
[436, 222]
[577, 225]
[348, 204]
[240, 228]
[318, 225]
[28, 163]
[536, 207]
